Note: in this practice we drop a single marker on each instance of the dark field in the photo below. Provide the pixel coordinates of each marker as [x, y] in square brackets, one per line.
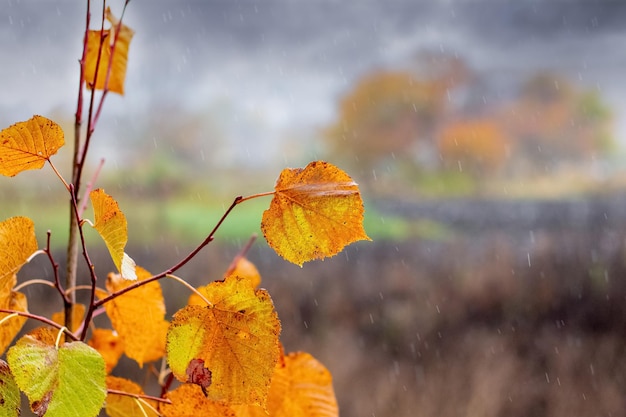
[526, 318]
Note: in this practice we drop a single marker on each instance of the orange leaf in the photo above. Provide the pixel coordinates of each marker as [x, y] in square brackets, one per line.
[315, 212]
[108, 343]
[138, 316]
[126, 406]
[230, 348]
[111, 224]
[301, 387]
[120, 56]
[28, 145]
[189, 401]
[11, 327]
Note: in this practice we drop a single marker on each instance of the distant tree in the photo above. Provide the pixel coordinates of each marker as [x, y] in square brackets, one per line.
[554, 122]
[477, 147]
[393, 115]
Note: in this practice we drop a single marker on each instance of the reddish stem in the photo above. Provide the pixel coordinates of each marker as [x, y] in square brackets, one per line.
[43, 320]
[67, 303]
[242, 253]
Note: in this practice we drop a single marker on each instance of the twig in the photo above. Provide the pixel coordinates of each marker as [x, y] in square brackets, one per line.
[67, 301]
[176, 267]
[89, 187]
[43, 320]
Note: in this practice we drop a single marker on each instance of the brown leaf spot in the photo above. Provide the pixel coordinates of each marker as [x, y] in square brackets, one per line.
[198, 374]
[40, 407]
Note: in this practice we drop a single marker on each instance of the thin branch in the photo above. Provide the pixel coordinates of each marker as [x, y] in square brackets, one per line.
[176, 267]
[67, 301]
[194, 290]
[92, 270]
[242, 253]
[250, 197]
[43, 320]
[143, 396]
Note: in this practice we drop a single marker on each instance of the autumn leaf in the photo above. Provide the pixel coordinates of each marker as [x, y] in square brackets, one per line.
[124, 405]
[117, 75]
[11, 327]
[107, 342]
[315, 213]
[229, 348]
[59, 381]
[138, 316]
[111, 224]
[9, 392]
[188, 400]
[28, 145]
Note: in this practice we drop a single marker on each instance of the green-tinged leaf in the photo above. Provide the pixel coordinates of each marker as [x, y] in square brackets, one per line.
[27, 145]
[111, 224]
[9, 392]
[68, 381]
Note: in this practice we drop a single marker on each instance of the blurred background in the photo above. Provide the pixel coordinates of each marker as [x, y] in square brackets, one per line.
[488, 139]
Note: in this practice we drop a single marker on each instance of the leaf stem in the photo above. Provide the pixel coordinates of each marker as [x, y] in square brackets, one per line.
[194, 290]
[43, 320]
[67, 187]
[176, 267]
[33, 281]
[250, 197]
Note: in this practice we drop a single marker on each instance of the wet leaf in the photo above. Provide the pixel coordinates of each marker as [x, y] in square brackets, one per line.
[9, 393]
[188, 400]
[59, 382]
[108, 344]
[123, 405]
[28, 145]
[138, 317]
[120, 56]
[230, 348]
[315, 213]
[111, 224]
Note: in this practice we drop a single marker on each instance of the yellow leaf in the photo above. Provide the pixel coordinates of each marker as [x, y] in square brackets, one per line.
[301, 387]
[189, 401]
[11, 327]
[138, 316]
[230, 348]
[124, 405]
[111, 224]
[28, 145]
[120, 56]
[315, 212]
[78, 313]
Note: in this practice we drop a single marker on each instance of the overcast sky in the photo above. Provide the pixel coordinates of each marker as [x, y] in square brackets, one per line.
[282, 65]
